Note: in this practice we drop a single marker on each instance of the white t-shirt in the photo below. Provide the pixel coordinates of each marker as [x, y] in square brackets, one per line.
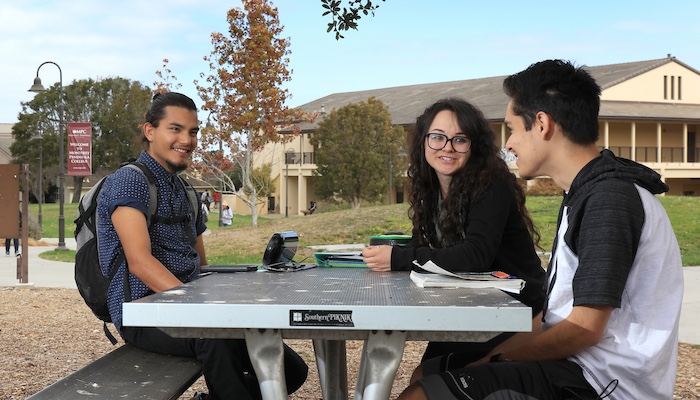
[640, 343]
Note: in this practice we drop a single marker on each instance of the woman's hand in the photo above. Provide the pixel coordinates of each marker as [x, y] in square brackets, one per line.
[377, 258]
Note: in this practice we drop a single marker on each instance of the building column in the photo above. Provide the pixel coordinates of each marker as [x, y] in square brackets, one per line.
[503, 136]
[685, 143]
[302, 200]
[658, 142]
[633, 141]
[284, 188]
[606, 135]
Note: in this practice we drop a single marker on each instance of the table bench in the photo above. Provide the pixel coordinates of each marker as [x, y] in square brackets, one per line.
[127, 372]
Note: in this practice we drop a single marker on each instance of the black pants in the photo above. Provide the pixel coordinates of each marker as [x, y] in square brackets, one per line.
[535, 380]
[7, 245]
[226, 365]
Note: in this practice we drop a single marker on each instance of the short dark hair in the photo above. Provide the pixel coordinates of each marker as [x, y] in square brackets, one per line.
[569, 94]
[161, 100]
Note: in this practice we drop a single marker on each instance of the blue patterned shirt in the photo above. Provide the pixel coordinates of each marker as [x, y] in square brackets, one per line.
[170, 243]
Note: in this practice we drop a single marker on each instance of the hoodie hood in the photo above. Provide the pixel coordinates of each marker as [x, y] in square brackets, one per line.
[608, 166]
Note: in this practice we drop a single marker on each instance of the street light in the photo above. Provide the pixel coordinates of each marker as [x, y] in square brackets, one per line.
[38, 87]
[40, 138]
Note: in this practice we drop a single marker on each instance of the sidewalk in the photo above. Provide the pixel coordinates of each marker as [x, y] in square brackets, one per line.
[43, 273]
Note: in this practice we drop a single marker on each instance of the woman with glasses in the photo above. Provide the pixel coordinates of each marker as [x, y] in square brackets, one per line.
[467, 209]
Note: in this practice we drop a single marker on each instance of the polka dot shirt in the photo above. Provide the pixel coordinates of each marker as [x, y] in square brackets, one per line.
[170, 243]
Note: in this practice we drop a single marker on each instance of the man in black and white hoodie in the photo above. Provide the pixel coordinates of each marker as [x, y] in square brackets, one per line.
[615, 280]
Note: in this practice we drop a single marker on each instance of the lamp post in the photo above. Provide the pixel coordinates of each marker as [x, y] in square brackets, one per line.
[38, 87]
[40, 137]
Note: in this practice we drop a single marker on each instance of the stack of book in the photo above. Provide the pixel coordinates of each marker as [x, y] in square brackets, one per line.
[340, 259]
[439, 277]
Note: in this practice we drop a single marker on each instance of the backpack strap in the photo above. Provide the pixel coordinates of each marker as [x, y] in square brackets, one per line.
[194, 206]
[83, 220]
[191, 196]
[152, 189]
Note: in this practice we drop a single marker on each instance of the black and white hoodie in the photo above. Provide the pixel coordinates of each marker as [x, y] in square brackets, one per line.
[615, 247]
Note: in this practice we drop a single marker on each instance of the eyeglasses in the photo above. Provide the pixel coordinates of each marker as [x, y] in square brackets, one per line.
[438, 141]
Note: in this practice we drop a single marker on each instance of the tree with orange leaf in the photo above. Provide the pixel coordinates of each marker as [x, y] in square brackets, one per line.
[243, 94]
[168, 82]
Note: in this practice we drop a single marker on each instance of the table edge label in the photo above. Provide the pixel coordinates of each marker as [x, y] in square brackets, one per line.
[320, 318]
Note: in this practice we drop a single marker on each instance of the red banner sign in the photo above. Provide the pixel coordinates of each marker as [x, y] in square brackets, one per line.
[79, 148]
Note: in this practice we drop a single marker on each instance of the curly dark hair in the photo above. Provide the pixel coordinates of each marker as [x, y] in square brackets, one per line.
[468, 185]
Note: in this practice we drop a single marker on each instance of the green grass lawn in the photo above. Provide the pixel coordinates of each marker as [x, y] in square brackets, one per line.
[241, 243]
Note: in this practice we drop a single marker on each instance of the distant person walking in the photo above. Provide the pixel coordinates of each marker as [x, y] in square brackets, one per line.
[206, 199]
[7, 246]
[217, 199]
[205, 212]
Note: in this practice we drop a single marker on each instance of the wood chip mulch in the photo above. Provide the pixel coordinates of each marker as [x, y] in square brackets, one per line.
[46, 334]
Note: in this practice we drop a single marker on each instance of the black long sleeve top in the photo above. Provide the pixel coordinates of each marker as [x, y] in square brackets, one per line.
[495, 239]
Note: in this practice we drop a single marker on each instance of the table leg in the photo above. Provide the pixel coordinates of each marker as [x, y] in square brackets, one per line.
[381, 356]
[332, 368]
[267, 355]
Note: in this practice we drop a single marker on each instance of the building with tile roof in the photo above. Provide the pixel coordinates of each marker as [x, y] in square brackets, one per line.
[650, 112]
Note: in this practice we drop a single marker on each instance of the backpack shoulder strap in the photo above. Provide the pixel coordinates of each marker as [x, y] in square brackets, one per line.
[194, 205]
[85, 214]
[152, 189]
[191, 196]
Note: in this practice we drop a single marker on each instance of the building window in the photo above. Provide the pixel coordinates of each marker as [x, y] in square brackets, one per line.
[665, 87]
[673, 94]
[679, 88]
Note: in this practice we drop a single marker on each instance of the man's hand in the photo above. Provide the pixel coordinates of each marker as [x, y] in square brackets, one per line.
[377, 258]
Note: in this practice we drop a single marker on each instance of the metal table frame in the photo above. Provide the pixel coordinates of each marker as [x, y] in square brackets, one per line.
[329, 306]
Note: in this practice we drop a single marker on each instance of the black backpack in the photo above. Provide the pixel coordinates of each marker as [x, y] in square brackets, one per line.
[92, 284]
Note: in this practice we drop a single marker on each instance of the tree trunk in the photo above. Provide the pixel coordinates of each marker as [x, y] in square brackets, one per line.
[254, 216]
[246, 173]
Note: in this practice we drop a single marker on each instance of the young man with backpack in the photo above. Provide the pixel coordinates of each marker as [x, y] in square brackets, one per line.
[169, 250]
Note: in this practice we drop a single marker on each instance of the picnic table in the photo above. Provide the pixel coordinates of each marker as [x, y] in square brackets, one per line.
[328, 306]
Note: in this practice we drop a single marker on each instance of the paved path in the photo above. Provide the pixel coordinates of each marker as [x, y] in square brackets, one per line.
[43, 273]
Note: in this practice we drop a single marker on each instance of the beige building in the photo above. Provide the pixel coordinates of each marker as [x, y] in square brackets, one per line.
[5, 143]
[650, 113]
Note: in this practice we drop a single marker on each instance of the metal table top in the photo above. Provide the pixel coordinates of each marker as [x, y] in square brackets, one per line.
[334, 299]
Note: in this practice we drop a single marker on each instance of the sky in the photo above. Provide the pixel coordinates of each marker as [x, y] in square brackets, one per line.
[406, 42]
